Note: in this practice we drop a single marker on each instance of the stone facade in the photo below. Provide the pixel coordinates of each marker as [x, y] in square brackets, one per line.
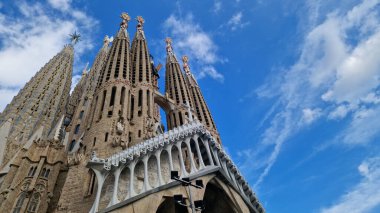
[103, 148]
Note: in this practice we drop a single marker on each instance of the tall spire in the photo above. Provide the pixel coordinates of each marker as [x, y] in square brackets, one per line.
[143, 81]
[41, 102]
[199, 103]
[169, 51]
[176, 88]
[190, 77]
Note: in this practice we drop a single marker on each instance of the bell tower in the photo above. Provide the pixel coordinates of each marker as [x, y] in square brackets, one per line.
[176, 89]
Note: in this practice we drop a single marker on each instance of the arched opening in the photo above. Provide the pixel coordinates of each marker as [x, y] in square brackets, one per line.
[165, 166]
[107, 190]
[186, 156]
[153, 171]
[169, 205]
[19, 202]
[194, 153]
[124, 180]
[72, 145]
[216, 200]
[91, 183]
[175, 160]
[138, 179]
[33, 203]
[206, 160]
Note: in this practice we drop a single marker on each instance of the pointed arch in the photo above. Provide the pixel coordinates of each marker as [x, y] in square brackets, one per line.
[19, 202]
[168, 205]
[217, 200]
[33, 203]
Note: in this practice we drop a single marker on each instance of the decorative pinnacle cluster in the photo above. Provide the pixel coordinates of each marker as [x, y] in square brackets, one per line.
[125, 19]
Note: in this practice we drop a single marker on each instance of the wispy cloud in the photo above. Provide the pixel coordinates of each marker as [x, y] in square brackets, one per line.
[217, 6]
[365, 195]
[190, 39]
[236, 22]
[336, 76]
[33, 36]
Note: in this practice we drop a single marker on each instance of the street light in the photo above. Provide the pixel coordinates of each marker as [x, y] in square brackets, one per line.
[198, 205]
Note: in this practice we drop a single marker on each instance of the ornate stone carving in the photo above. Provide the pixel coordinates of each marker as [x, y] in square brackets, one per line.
[140, 23]
[120, 126]
[125, 19]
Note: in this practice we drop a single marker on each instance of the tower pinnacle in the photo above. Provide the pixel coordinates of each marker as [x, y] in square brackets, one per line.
[75, 37]
[140, 23]
[125, 19]
[169, 50]
[186, 68]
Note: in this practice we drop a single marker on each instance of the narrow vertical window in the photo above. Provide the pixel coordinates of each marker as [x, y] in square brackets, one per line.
[94, 142]
[33, 204]
[76, 131]
[113, 93]
[30, 173]
[91, 183]
[72, 145]
[102, 106]
[43, 172]
[132, 106]
[106, 137]
[180, 118]
[148, 101]
[46, 175]
[19, 202]
[140, 103]
[81, 114]
[122, 96]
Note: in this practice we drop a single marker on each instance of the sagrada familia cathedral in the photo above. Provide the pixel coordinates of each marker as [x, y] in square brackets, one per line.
[103, 148]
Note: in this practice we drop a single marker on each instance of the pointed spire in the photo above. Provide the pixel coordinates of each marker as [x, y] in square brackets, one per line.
[169, 50]
[186, 68]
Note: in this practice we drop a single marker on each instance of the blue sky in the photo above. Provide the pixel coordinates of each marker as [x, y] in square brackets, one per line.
[294, 86]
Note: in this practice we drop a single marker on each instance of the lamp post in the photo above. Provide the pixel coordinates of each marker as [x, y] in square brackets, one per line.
[196, 205]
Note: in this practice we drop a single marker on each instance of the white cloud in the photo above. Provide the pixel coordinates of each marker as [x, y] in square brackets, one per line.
[6, 96]
[339, 112]
[364, 196]
[310, 115]
[337, 73]
[63, 5]
[32, 37]
[217, 6]
[235, 22]
[190, 39]
[363, 128]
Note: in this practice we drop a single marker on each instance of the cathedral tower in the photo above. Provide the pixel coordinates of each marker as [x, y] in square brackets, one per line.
[111, 96]
[35, 155]
[38, 106]
[199, 103]
[141, 103]
[176, 89]
[103, 149]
